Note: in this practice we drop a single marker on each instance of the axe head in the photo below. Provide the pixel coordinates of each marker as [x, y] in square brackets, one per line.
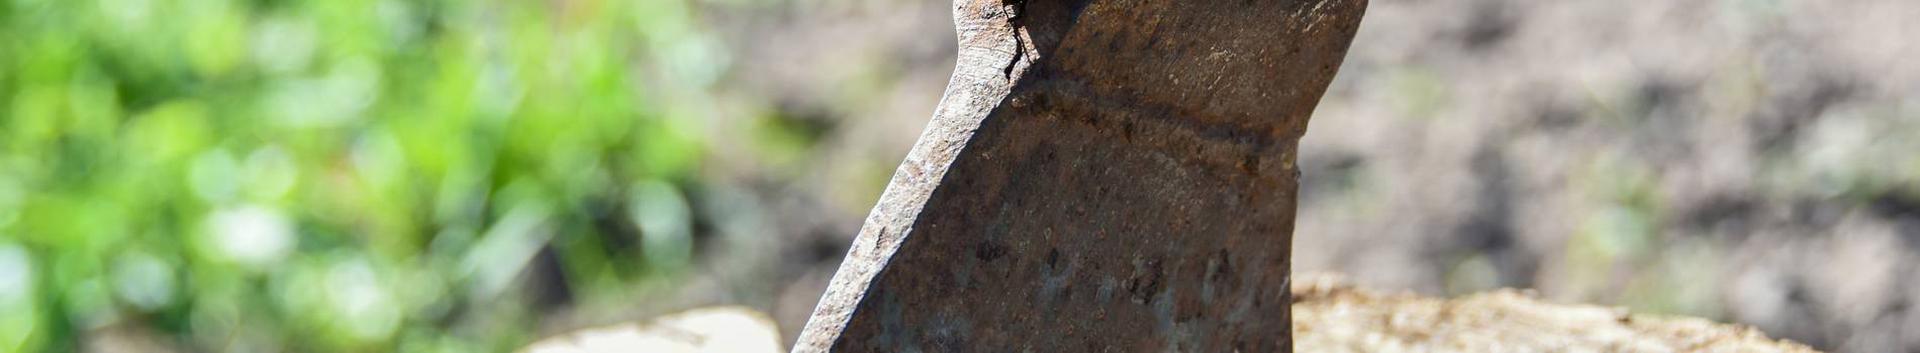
[1100, 175]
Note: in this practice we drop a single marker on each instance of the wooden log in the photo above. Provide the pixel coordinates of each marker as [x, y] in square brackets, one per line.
[1332, 316]
[1335, 317]
[1101, 175]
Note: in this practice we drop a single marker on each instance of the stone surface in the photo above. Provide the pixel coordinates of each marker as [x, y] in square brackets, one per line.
[1110, 175]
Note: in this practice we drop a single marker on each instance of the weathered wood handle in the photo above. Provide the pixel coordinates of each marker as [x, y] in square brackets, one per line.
[1100, 175]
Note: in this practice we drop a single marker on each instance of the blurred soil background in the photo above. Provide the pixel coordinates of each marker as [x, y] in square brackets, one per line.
[441, 175]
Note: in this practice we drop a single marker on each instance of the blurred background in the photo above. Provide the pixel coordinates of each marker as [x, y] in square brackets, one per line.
[456, 176]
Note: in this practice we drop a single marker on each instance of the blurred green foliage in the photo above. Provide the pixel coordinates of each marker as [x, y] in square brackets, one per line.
[337, 175]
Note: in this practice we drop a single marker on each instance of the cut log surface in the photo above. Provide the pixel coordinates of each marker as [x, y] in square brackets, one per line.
[1105, 175]
[1333, 317]
[726, 329]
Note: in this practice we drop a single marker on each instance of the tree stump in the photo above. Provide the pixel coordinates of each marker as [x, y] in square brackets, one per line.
[1101, 175]
[1336, 317]
[1333, 317]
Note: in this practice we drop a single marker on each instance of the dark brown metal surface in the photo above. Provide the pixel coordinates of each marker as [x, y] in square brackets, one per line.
[1106, 175]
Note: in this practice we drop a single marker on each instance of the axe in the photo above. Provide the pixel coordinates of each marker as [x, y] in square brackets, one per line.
[1100, 175]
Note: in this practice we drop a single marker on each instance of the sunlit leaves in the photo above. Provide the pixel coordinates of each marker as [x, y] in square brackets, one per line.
[359, 175]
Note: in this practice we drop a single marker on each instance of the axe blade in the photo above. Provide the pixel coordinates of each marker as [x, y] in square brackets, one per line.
[1100, 175]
